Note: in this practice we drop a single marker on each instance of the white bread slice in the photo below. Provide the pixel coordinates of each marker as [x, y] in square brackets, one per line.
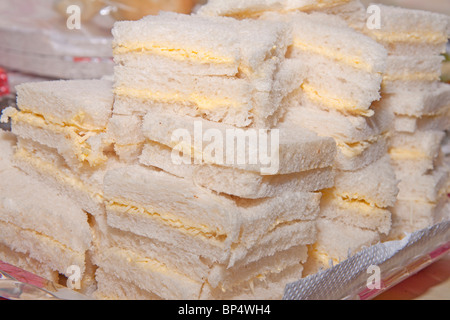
[110, 287]
[24, 202]
[78, 148]
[272, 287]
[339, 239]
[355, 213]
[232, 100]
[353, 12]
[149, 275]
[201, 217]
[125, 133]
[335, 243]
[406, 30]
[125, 130]
[254, 70]
[358, 155]
[415, 152]
[299, 149]
[352, 62]
[427, 187]
[86, 104]
[85, 188]
[42, 248]
[340, 127]
[411, 216]
[167, 283]
[412, 69]
[429, 99]
[244, 184]
[435, 122]
[223, 43]
[376, 184]
[8, 142]
[228, 278]
[254, 8]
[426, 213]
[186, 262]
[25, 262]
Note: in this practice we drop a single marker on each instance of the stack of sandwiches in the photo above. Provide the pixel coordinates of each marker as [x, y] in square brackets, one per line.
[203, 210]
[412, 91]
[234, 151]
[52, 182]
[344, 72]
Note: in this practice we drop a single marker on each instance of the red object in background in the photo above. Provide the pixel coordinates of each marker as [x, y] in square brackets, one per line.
[4, 84]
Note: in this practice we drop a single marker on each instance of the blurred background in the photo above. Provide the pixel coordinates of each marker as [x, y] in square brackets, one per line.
[441, 6]
[39, 39]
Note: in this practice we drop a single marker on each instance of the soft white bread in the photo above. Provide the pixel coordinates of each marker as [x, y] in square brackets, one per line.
[225, 43]
[41, 248]
[411, 216]
[85, 188]
[152, 273]
[229, 99]
[425, 187]
[25, 262]
[436, 122]
[182, 259]
[110, 287]
[352, 62]
[79, 148]
[179, 212]
[297, 149]
[125, 133]
[415, 152]
[7, 144]
[376, 184]
[403, 31]
[356, 213]
[336, 241]
[86, 104]
[254, 8]
[244, 184]
[272, 287]
[234, 75]
[353, 12]
[358, 155]
[24, 202]
[427, 100]
[341, 127]
[412, 69]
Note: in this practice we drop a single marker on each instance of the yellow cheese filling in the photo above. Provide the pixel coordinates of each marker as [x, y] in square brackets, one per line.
[170, 220]
[414, 37]
[355, 201]
[406, 154]
[49, 169]
[320, 256]
[354, 149]
[418, 76]
[199, 100]
[331, 101]
[353, 61]
[77, 137]
[180, 54]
